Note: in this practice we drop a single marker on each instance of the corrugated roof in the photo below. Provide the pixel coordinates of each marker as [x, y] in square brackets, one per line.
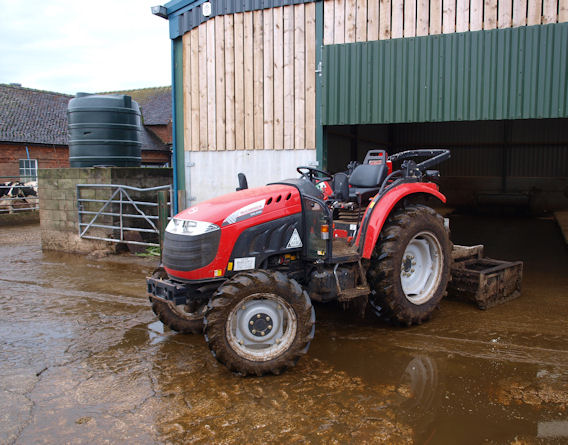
[155, 104]
[33, 116]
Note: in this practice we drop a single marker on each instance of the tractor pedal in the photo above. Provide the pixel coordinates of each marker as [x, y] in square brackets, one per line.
[350, 294]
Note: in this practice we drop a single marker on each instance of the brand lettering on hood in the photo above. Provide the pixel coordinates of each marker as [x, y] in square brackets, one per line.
[245, 212]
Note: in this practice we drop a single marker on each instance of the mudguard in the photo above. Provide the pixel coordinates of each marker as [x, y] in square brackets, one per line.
[378, 211]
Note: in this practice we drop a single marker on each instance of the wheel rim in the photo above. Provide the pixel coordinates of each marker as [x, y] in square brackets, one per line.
[261, 327]
[421, 267]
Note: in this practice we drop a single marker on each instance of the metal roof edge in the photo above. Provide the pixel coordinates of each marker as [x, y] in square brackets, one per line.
[184, 16]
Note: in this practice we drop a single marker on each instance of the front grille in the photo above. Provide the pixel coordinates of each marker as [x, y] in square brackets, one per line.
[186, 253]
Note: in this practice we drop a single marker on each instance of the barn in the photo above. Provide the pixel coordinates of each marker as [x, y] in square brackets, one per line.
[262, 86]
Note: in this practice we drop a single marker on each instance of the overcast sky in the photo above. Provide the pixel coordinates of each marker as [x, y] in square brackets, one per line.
[69, 46]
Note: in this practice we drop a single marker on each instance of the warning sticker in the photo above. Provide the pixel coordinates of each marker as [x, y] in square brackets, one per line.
[295, 240]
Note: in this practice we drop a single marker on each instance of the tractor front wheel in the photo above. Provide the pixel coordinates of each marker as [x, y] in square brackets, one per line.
[410, 265]
[259, 322]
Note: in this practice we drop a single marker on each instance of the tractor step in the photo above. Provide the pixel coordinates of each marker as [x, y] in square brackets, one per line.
[350, 294]
[484, 281]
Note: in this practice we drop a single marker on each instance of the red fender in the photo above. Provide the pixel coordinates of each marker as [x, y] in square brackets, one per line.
[386, 204]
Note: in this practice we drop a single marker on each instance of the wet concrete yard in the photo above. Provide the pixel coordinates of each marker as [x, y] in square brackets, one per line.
[83, 360]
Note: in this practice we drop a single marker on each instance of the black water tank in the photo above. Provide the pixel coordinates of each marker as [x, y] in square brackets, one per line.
[104, 131]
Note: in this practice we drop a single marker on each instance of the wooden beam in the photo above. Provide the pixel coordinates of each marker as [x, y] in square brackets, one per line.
[422, 17]
[549, 11]
[203, 109]
[299, 78]
[279, 79]
[449, 16]
[328, 21]
[462, 15]
[239, 83]
[490, 14]
[339, 30]
[194, 69]
[372, 20]
[258, 74]
[476, 15]
[220, 81]
[211, 99]
[534, 12]
[563, 11]
[409, 18]
[361, 21]
[249, 80]
[435, 17]
[350, 20]
[186, 48]
[519, 13]
[268, 83]
[288, 77]
[385, 27]
[505, 14]
[230, 82]
[310, 79]
[397, 18]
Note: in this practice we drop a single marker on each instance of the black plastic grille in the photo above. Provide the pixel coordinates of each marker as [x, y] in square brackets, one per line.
[186, 253]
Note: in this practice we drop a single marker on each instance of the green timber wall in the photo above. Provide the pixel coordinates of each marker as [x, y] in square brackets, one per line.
[515, 73]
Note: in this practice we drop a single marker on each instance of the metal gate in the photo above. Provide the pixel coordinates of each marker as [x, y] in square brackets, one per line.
[122, 210]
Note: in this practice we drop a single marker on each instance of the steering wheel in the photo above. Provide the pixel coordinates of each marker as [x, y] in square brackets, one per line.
[311, 174]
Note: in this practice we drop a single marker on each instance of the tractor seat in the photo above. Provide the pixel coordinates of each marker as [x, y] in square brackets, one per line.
[366, 181]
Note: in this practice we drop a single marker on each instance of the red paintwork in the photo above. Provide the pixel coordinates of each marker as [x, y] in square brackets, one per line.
[340, 233]
[384, 207]
[217, 209]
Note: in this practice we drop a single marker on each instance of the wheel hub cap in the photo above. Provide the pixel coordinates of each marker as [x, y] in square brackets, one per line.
[261, 327]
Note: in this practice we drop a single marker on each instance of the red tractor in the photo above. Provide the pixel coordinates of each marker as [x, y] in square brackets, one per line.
[244, 268]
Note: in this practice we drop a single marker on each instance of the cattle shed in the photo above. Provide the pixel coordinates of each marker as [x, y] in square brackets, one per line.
[262, 86]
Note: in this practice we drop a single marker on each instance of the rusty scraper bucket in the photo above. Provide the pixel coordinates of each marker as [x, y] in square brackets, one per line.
[483, 281]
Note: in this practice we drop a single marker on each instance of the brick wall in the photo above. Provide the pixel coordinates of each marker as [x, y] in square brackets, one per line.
[164, 132]
[58, 202]
[155, 157]
[56, 156]
[47, 156]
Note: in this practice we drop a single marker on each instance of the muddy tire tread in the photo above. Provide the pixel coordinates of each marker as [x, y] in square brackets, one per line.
[230, 293]
[387, 298]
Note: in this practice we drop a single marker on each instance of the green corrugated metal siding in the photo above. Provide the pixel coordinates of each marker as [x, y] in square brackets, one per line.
[516, 73]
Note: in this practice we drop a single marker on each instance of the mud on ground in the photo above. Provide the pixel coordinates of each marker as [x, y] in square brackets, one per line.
[83, 360]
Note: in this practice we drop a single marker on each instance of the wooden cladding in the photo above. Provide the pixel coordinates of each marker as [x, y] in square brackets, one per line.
[347, 21]
[249, 81]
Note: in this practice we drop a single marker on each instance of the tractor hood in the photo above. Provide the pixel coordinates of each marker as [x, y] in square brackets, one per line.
[238, 206]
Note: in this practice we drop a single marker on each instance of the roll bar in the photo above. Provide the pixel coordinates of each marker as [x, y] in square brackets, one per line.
[434, 157]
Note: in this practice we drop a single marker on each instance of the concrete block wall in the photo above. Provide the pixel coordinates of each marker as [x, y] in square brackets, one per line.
[58, 202]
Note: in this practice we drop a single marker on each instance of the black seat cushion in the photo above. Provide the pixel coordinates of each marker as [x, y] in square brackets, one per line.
[366, 181]
[367, 175]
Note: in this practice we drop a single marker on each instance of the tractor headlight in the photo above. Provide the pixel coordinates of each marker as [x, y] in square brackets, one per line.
[191, 228]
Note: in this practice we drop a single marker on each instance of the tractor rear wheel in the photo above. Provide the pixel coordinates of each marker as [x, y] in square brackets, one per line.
[179, 318]
[410, 266]
[259, 322]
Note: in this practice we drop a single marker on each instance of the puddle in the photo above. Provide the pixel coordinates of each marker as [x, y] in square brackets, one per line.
[84, 360]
